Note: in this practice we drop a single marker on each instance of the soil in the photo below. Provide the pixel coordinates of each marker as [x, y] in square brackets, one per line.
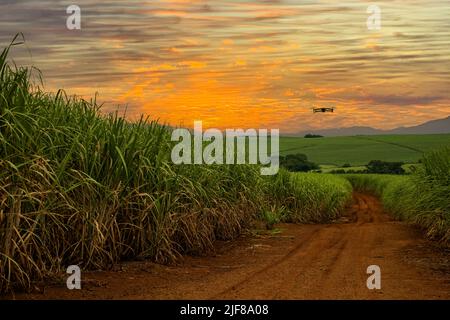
[290, 262]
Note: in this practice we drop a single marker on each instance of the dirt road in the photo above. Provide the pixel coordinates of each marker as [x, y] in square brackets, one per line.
[292, 262]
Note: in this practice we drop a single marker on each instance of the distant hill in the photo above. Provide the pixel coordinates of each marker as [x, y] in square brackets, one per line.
[430, 127]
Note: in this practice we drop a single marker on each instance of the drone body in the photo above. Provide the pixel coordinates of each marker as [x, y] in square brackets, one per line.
[323, 110]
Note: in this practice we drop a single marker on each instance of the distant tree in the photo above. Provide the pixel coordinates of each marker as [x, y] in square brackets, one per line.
[338, 171]
[356, 171]
[297, 162]
[378, 166]
[346, 165]
[310, 135]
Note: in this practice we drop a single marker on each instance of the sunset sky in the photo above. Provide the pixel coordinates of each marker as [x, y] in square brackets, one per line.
[242, 63]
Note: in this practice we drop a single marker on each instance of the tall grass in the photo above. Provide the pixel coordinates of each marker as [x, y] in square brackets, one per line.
[309, 198]
[81, 187]
[422, 198]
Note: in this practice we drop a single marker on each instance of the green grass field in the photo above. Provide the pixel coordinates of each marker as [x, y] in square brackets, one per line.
[359, 150]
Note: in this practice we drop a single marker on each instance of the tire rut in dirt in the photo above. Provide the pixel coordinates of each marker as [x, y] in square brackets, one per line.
[303, 264]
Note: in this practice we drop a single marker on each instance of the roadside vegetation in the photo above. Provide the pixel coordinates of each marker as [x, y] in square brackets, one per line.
[309, 197]
[374, 166]
[297, 163]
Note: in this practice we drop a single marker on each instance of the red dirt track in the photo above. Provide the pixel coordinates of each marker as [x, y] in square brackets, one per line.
[300, 262]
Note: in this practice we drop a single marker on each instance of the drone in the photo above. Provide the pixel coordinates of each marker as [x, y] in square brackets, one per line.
[323, 110]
